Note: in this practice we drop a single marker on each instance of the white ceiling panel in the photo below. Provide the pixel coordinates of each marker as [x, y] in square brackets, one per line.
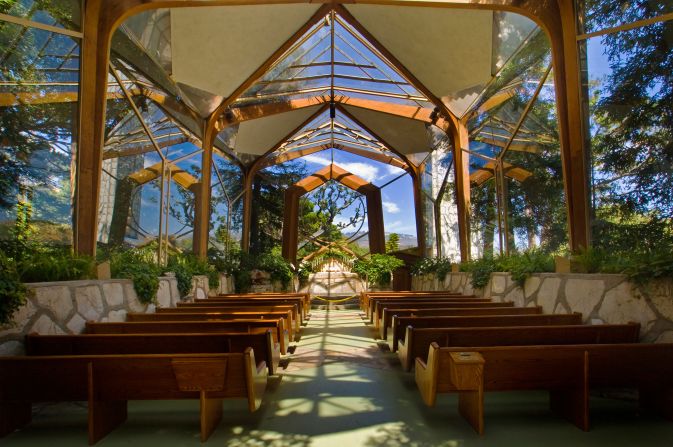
[405, 135]
[258, 136]
[448, 50]
[216, 49]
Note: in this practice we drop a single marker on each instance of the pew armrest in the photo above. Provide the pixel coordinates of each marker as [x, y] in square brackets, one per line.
[426, 375]
[256, 377]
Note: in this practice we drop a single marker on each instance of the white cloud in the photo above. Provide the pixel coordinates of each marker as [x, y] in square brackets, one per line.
[394, 170]
[391, 207]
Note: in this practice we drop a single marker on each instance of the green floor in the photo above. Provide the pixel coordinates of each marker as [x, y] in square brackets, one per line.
[341, 389]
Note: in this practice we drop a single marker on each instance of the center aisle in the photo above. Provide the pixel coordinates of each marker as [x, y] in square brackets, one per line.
[340, 388]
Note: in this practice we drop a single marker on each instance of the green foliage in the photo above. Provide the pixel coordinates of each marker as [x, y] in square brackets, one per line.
[519, 265]
[277, 266]
[481, 270]
[438, 266]
[377, 268]
[187, 265]
[12, 291]
[138, 265]
[393, 243]
[640, 266]
[522, 265]
[40, 262]
[43, 263]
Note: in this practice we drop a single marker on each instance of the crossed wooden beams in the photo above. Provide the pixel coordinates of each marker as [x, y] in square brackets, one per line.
[372, 193]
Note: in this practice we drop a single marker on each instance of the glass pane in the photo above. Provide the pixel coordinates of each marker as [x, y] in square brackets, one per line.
[226, 204]
[534, 190]
[484, 228]
[39, 84]
[60, 13]
[629, 83]
[595, 15]
[398, 211]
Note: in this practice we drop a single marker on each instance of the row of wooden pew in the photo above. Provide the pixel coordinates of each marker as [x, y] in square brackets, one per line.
[218, 348]
[466, 345]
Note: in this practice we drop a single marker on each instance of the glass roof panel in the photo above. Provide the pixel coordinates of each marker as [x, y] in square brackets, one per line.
[59, 13]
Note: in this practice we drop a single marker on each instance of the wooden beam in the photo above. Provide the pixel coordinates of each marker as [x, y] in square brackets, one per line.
[202, 208]
[461, 144]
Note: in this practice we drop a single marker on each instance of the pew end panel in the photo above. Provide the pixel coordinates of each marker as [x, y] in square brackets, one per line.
[256, 379]
[103, 415]
[426, 376]
[466, 373]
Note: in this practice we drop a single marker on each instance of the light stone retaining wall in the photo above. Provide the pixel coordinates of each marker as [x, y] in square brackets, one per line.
[601, 298]
[65, 307]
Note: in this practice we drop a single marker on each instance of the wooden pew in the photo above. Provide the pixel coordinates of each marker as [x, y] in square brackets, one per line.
[299, 300]
[304, 297]
[366, 297]
[108, 382]
[280, 335]
[388, 313]
[417, 341]
[371, 302]
[247, 312]
[209, 316]
[244, 306]
[567, 371]
[377, 313]
[375, 304]
[265, 348]
[400, 324]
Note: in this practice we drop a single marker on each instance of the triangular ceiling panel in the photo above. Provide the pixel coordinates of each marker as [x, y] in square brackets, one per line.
[404, 135]
[260, 135]
[217, 48]
[451, 51]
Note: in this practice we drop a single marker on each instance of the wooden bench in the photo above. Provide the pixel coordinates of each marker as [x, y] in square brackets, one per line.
[366, 298]
[265, 348]
[108, 382]
[228, 313]
[377, 304]
[371, 302]
[280, 335]
[377, 313]
[567, 371]
[207, 306]
[388, 313]
[400, 324]
[209, 316]
[304, 297]
[417, 341]
[300, 301]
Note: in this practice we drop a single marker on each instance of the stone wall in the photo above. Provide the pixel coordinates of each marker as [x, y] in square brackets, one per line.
[601, 298]
[64, 307]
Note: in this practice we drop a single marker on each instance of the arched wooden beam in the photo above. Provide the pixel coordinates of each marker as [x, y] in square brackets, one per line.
[371, 192]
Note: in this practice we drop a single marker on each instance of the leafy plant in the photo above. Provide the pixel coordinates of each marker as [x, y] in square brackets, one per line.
[481, 270]
[438, 266]
[522, 265]
[138, 265]
[12, 291]
[187, 265]
[377, 268]
[277, 267]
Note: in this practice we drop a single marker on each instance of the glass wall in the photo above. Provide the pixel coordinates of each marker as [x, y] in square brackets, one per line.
[39, 85]
[628, 87]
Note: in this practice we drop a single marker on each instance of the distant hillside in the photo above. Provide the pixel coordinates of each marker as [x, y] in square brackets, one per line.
[406, 240]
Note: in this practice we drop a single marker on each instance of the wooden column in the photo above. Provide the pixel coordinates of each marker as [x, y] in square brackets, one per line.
[571, 124]
[291, 225]
[461, 143]
[418, 207]
[202, 204]
[93, 93]
[377, 237]
[248, 178]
